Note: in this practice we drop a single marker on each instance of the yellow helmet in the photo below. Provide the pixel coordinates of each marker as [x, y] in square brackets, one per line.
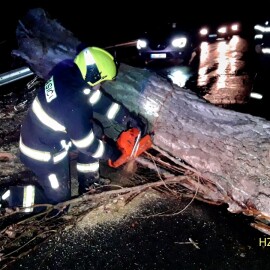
[96, 65]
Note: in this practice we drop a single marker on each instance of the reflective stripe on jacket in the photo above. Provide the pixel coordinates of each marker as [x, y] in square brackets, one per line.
[62, 110]
[44, 156]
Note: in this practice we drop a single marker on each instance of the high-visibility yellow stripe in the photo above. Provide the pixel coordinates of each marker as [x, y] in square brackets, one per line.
[6, 195]
[28, 198]
[58, 157]
[86, 91]
[112, 111]
[45, 118]
[90, 167]
[35, 154]
[100, 151]
[43, 155]
[95, 97]
[54, 181]
[86, 141]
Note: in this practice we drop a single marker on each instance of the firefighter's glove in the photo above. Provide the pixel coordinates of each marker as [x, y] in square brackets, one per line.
[137, 121]
[115, 156]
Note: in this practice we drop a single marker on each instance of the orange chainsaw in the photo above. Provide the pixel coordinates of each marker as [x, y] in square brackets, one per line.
[131, 145]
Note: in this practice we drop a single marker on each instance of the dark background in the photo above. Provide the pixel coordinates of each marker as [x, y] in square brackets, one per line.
[92, 21]
[105, 23]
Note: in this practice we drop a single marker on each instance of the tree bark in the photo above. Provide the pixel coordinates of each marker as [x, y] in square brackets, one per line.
[229, 150]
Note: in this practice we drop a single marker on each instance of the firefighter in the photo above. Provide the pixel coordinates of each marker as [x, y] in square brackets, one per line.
[59, 120]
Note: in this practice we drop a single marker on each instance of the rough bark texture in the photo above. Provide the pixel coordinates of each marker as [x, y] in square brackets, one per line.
[43, 42]
[229, 150]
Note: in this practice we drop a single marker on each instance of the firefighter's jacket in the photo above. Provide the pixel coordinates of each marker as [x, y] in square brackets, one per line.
[60, 116]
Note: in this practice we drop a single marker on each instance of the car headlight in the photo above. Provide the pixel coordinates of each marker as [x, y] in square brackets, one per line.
[203, 31]
[222, 30]
[235, 27]
[141, 43]
[179, 42]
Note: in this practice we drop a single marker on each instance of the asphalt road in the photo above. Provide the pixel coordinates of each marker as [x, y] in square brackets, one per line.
[200, 237]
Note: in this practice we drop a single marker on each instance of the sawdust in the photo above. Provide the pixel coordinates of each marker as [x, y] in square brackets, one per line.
[130, 168]
[117, 211]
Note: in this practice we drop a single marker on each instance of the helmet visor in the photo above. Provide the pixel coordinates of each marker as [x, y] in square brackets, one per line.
[92, 74]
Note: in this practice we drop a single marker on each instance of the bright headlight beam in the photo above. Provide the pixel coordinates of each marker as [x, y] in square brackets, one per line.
[141, 44]
[204, 31]
[234, 27]
[179, 42]
[222, 30]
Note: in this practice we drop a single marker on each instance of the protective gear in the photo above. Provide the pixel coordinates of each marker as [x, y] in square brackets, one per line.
[4, 195]
[116, 154]
[48, 130]
[87, 180]
[88, 168]
[25, 196]
[96, 65]
[87, 171]
[54, 179]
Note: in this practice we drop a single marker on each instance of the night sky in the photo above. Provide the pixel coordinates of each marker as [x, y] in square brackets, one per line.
[112, 20]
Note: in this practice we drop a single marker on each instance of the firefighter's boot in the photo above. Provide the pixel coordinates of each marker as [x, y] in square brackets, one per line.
[88, 181]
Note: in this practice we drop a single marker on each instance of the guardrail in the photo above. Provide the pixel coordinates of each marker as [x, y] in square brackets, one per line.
[15, 75]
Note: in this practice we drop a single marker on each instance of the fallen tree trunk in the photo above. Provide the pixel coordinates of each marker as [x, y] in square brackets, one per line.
[229, 151]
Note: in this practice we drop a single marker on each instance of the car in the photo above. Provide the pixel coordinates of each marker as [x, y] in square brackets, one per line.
[223, 31]
[165, 43]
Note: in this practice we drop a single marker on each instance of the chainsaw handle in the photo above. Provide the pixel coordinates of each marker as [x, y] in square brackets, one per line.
[120, 161]
[126, 142]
